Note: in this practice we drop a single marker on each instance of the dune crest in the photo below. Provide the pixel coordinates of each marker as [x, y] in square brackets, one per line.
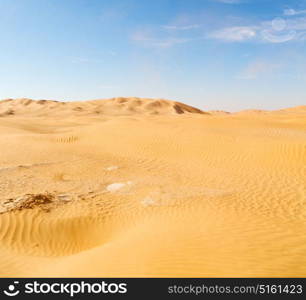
[115, 106]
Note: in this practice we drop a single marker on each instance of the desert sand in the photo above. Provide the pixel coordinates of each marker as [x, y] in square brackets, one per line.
[131, 187]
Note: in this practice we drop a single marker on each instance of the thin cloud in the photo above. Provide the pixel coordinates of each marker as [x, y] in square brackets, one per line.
[186, 27]
[147, 39]
[293, 12]
[234, 34]
[283, 30]
[159, 42]
[277, 30]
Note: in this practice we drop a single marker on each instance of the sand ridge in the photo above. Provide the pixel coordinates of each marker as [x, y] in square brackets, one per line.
[141, 189]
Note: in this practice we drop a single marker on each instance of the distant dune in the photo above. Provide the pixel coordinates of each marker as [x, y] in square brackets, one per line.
[218, 112]
[150, 188]
[115, 106]
[252, 111]
[120, 106]
[297, 109]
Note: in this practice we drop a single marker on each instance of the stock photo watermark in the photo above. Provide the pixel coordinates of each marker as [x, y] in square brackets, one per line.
[278, 31]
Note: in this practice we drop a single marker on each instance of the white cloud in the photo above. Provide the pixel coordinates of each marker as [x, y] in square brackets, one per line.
[293, 12]
[146, 39]
[277, 30]
[283, 30]
[186, 29]
[234, 34]
[271, 37]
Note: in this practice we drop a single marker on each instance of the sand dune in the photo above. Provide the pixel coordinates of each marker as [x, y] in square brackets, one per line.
[298, 109]
[115, 106]
[144, 187]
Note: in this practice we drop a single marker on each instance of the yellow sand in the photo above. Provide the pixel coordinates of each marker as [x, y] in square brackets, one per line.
[141, 187]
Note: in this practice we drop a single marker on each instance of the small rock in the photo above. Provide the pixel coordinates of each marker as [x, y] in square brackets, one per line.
[115, 187]
[64, 197]
[148, 201]
[111, 168]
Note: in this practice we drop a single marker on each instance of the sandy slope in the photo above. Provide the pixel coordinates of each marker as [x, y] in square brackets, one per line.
[139, 187]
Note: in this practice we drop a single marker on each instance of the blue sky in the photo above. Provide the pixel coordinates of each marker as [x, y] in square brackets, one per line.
[213, 54]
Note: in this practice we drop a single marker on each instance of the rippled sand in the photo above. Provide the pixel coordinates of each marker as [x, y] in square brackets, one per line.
[142, 189]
